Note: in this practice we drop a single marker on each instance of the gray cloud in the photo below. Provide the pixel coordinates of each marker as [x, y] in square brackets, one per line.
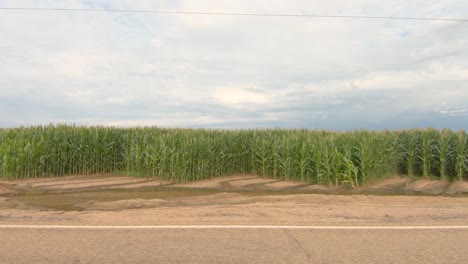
[228, 72]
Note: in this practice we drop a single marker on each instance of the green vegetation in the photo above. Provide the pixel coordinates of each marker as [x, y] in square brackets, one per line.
[181, 155]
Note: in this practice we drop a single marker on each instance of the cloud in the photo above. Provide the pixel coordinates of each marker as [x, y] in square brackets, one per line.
[235, 71]
[457, 112]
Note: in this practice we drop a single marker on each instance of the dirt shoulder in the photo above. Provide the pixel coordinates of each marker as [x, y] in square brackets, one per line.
[241, 209]
[240, 199]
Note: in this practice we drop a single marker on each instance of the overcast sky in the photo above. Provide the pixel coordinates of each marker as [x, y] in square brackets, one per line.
[136, 69]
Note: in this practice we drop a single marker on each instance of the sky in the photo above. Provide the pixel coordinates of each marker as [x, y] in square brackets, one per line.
[171, 70]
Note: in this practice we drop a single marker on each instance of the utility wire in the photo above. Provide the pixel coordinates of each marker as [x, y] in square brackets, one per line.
[231, 14]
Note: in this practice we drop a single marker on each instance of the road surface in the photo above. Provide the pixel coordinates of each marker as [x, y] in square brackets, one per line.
[233, 245]
[84, 219]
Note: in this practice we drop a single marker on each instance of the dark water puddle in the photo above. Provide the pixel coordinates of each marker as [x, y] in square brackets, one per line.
[66, 201]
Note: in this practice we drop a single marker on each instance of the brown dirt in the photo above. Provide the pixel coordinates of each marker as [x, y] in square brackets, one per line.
[121, 205]
[115, 193]
[216, 183]
[281, 185]
[428, 186]
[4, 191]
[252, 183]
[317, 189]
[458, 187]
[234, 208]
[100, 181]
[65, 179]
[390, 183]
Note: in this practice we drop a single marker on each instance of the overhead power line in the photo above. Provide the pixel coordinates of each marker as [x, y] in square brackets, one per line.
[231, 14]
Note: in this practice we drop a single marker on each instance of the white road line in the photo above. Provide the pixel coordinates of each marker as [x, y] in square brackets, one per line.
[233, 227]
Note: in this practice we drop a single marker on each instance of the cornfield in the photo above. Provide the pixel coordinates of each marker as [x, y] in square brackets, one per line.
[181, 155]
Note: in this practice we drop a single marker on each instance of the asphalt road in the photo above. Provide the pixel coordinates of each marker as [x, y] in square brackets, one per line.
[232, 246]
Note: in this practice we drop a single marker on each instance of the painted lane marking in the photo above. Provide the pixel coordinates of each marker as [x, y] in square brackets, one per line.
[233, 227]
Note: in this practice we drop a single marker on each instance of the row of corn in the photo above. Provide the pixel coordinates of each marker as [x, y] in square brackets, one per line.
[181, 155]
